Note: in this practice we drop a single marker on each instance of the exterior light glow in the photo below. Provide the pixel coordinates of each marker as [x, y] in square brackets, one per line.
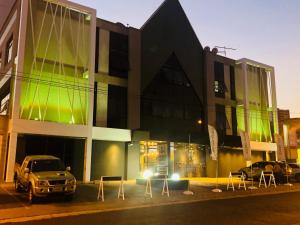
[175, 176]
[147, 174]
[199, 121]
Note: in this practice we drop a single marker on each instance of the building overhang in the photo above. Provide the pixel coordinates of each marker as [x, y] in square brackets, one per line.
[111, 134]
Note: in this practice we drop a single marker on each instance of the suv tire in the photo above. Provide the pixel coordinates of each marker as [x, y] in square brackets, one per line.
[31, 197]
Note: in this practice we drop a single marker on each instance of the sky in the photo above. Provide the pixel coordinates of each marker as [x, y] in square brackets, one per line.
[267, 31]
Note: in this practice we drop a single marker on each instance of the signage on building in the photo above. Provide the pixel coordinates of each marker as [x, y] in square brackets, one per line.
[246, 145]
[280, 148]
[213, 139]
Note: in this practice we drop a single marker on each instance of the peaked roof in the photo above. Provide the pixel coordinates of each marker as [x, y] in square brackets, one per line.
[169, 31]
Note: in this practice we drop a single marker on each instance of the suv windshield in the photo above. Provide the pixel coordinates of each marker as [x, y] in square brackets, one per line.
[47, 165]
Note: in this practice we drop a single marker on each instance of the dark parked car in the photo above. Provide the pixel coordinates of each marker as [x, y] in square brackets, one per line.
[295, 171]
[260, 166]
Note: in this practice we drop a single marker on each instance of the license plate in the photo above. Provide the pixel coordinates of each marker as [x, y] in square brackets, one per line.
[57, 189]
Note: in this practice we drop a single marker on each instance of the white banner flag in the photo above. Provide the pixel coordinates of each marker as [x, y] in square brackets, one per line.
[213, 139]
[246, 145]
[280, 148]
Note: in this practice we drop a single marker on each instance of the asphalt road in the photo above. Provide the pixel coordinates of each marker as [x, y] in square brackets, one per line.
[278, 209]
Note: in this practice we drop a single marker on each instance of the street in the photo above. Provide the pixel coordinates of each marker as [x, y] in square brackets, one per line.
[259, 210]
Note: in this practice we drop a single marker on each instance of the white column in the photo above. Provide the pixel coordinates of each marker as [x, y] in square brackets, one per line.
[11, 159]
[20, 59]
[17, 92]
[88, 141]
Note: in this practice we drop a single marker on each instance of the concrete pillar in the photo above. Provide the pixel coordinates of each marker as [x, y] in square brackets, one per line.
[102, 103]
[11, 159]
[246, 95]
[87, 160]
[210, 78]
[134, 79]
[103, 61]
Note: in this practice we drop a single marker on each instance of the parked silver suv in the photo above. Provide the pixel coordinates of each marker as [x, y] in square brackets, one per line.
[43, 175]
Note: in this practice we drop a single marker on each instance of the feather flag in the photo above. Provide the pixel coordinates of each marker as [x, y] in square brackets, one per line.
[213, 138]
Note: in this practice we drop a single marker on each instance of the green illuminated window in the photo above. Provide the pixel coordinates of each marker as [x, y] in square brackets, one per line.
[55, 83]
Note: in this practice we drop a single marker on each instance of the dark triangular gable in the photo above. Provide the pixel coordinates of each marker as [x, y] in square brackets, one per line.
[169, 30]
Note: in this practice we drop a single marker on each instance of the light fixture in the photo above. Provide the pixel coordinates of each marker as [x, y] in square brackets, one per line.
[199, 121]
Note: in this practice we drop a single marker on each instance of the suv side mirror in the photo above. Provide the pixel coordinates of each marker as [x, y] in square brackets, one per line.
[68, 168]
[26, 170]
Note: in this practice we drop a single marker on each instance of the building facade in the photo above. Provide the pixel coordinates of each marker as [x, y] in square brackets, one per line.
[115, 100]
[241, 95]
[291, 134]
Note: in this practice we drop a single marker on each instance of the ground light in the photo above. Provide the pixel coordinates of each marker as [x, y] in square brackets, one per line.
[175, 176]
[147, 174]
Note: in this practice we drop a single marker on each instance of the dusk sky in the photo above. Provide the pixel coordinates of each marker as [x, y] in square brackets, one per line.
[266, 31]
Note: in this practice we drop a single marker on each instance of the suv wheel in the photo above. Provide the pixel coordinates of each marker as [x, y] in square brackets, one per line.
[31, 196]
[17, 185]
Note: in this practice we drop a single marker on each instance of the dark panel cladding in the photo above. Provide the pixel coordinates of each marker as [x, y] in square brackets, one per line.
[169, 31]
[118, 55]
[97, 50]
[221, 122]
[170, 107]
[117, 107]
[232, 83]
[95, 103]
[234, 121]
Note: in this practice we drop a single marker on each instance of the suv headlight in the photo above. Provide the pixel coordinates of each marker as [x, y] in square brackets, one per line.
[71, 181]
[42, 183]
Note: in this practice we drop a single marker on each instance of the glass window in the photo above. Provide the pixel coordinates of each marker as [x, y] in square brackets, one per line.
[154, 157]
[9, 49]
[219, 85]
[55, 87]
[4, 105]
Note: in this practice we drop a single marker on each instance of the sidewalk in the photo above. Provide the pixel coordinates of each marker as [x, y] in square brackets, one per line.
[14, 206]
